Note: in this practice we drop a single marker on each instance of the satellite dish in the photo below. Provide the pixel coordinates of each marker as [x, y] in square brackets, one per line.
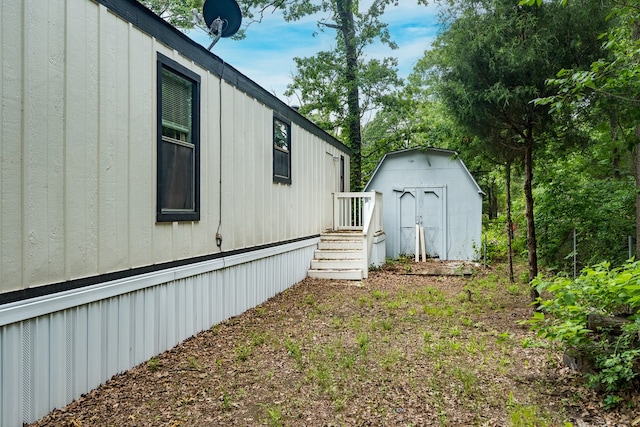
[223, 18]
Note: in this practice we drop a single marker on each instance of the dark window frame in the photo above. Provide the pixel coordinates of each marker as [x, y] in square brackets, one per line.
[342, 181]
[280, 153]
[171, 215]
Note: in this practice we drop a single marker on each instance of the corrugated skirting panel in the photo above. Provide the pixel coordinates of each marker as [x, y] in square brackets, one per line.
[48, 360]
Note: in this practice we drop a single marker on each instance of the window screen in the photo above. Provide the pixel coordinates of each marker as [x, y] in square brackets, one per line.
[178, 150]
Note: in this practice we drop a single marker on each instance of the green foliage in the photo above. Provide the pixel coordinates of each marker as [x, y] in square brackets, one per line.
[153, 364]
[602, 290]
[593, 191]
[495, 234]
[175, 12]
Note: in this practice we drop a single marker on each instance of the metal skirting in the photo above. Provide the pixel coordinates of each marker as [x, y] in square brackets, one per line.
[63, 346]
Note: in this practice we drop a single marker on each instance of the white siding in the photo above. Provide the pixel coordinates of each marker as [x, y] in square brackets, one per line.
[434, 169]
[78, 154]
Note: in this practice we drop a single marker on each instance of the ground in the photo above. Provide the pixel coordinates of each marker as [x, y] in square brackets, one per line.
[405, 347]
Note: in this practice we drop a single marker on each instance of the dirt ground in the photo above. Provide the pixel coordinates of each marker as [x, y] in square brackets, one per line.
[409, 346]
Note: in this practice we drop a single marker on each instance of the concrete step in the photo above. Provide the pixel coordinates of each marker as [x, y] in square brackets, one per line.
[336, 264]
[337, 254]
[336, 274]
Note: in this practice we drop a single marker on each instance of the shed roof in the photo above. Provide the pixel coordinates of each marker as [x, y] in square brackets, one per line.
[425, 150]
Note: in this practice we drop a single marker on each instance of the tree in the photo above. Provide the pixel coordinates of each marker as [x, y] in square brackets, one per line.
[611, 86]
[336, 88]
[175, 12]
[494, 59]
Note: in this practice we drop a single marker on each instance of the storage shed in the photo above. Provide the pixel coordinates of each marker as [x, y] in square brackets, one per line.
[434, 189]
[148, 190]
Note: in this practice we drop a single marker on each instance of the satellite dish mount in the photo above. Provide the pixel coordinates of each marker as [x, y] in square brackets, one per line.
[222, 17]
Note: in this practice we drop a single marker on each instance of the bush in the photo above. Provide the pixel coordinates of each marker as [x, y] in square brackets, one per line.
[613, 353]
[495, 234]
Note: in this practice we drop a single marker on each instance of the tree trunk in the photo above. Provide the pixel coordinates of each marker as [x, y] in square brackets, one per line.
[531, 230]
[507, 172]
[354, 137]
[636, 161]
[493, 200]
[636, 167]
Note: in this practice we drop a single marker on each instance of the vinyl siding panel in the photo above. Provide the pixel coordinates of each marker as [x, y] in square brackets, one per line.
[67, 352]
[79, 154]
[11, 69]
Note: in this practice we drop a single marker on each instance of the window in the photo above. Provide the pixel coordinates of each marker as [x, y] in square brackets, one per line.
[178, 197]
[281, 151]
[342, 187]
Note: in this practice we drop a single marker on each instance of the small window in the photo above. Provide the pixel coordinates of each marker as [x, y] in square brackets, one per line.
[178, 196]
[281, 151]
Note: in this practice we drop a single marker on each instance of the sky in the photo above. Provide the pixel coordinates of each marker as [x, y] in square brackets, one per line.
[266, 54]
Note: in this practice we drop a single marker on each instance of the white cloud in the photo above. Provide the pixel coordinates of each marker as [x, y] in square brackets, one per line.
[266, 54]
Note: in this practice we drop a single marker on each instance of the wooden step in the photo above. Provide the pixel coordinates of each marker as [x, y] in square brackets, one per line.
[340, 245]
[354, 274]
[336, 264]
[342, 236]
[337, 254]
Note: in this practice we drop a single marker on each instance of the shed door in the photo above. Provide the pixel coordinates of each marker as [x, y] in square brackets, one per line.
[425, 206]
[407, 216]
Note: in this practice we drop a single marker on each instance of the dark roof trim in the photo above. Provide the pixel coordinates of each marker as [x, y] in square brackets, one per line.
[147, 21]
[40, 291]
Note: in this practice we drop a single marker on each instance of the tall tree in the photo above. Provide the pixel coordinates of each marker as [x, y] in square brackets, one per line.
[176, 12]
[611, 86]
[494, 58]
[336, 88]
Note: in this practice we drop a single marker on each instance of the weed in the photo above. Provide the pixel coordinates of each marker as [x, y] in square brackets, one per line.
[242, 352]
[379, 295]
[524, 415]
[529, 342]
[293, 348]
[274, 414]
[193, 363]
[513, 289]
[258, 339]
[454, 331]
[365, 301]
[154, 364]
[503, 338]
[310, 300]
[474, 346]
[336, 322]
[225, 401]
[467, 379]
[611, 402]
[321, 376]
[347, 361]
[339, 403]
[363, 341]
[393, 305]
[390, 359]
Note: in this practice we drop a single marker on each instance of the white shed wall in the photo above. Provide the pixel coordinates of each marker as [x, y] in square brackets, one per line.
[432, 169]
[78, 153]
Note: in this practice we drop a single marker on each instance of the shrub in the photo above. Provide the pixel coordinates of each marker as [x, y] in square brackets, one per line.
[564, 305]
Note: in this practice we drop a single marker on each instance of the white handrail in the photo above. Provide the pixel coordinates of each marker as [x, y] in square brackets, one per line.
[359, 211]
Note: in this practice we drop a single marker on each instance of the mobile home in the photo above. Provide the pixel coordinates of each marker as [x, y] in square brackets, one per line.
[148, 191]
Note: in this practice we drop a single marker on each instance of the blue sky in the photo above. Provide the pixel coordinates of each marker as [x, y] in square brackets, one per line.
[266, 54]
